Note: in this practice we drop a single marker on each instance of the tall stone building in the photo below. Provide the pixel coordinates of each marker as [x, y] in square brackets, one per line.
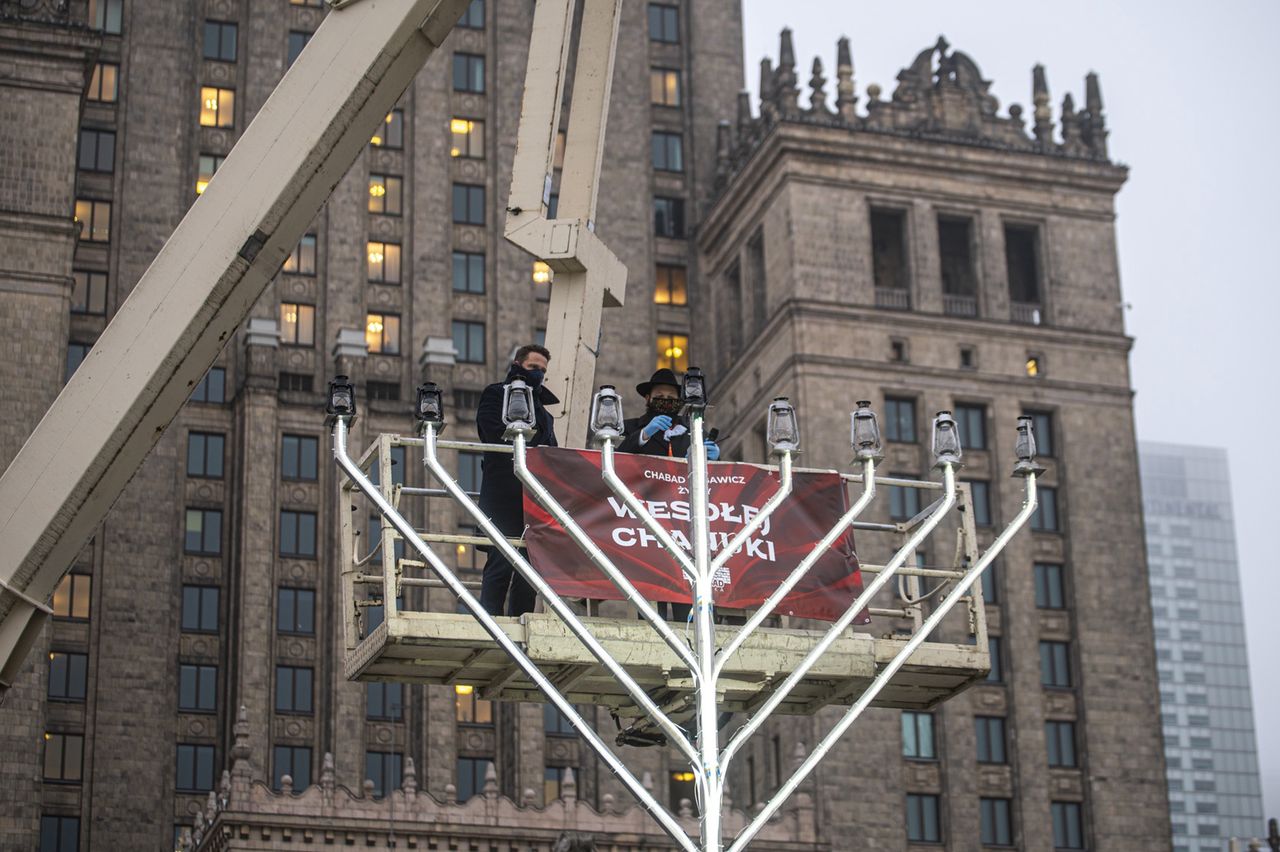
[922, 251]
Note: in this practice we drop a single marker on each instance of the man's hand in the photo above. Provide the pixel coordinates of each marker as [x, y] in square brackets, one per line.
[661, 423]
[713, 451]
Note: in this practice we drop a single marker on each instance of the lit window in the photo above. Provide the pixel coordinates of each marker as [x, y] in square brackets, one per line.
[1035, 366]
[473, 18]
[220, 41]
[203, 532]
[467, 136]
[297, 534]
[63, 757]
[209, 164]
[104, 85]
[541, 273]
[97, 151]
[681, 789]
[382, 333]
[94, 218]
[391, 133]
[670, 285]
[384, 262]
[302, 260]
[469, 342]
[664, 23]
[470, 708]
[294, 761]
[293, 689]
[68, 675]
[468, 272]
[468, 204]
[297, 41]
[217, 107]
[204, 454]
[468, 73]
[668, 217]
[667, 151]
[106, 15]
[385, 194]
[198, 688]
[195, 768]
[664, 87]
[71, 598]
[673, 351]
[297, 324]
[89, 292]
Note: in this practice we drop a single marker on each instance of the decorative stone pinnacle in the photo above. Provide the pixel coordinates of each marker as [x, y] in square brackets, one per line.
[569, 786]
[1041, 112]
[241, 765]
[818, 88]
[326, 772]
[786, 51]
[490, 782]
[409, 782]
[846, 100]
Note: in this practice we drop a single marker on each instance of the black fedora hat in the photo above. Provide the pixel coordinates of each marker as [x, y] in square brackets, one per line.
[662, 377]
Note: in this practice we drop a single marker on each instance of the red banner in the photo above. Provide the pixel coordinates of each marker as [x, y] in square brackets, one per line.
[737, 492]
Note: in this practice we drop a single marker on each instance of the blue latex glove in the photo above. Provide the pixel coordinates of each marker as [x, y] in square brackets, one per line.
[661, 423]
[713, 451]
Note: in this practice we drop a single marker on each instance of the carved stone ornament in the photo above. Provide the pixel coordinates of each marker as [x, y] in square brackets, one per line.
[50, 11]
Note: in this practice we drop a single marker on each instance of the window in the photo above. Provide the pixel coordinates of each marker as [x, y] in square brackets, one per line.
[664, 87]
[1035, 365]
[971, 422]
[298, 455]
[468, 204]
[667, 151]
[468, 272]
[968, 358]
[389, 391]
[97, 150]
[302, 260]
[673, 351]
[922, 819]
[293, 689]
[1049, 586]
[904, 503]
[1042, 425]
[385, 194]
[63, 757]
[71, 598]
[383, 769]
[981, 493]
[681, 789]
[204, 532]
[384, 702]
[382, 334]
[297, 41]
[470, 709]
[473, 18]
[468, 341]
[1067, 831]
[1055, 664]
[294, 761]
[76, 353]
[212, 388]
[204, 454]
[956, 257]
[316, 3]
[469, 471]
[207, 166]
[391, 134]
[297, 533]
[199, 609]
[556, 723]
[664, 23]
[668, 217]
[220, 41]
[917, 736]
[95, 220]
[1022, 262]
[552, 779]
[195, 768]
[995, 650]
[889, 258]
[104, 85]
[468, 73]
[670, 285]
[471, 772]
[89, 293]
[297, 324]
[60, 833]
[398, 468]
[990, 738]
[997, 822]
[900, 420]
[467, 138]
[217, 107]
[1045, 518]
[384, 262]
[107, 15]
[198, 688]
[296, 611]
[990, 584]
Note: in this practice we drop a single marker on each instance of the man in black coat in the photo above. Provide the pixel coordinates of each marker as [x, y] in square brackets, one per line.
[501, 494]
[661, 431]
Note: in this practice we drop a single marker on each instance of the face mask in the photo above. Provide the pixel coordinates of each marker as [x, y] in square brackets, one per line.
[532, 376]
[669, 407]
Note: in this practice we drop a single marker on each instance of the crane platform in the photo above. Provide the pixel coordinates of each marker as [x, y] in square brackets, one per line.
[454, 649]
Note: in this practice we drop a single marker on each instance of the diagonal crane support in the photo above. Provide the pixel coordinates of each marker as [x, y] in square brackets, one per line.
[197, 292]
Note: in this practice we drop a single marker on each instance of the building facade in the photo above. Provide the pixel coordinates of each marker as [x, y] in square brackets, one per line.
[1215, 790]
[922, 251]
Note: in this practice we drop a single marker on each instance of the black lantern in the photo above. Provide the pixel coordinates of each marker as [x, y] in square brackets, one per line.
[694, 389]
[946, 439]
[517, 408]
[865, 431]
[430, 405]
[342, 399]
[783, 431]
[606, 414]
[1025, 448]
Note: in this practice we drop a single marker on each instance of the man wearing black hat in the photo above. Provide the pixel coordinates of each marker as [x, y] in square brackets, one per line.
[661, 431]
[501, 494]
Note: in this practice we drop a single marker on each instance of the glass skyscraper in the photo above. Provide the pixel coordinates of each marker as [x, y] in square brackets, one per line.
[1215, 790]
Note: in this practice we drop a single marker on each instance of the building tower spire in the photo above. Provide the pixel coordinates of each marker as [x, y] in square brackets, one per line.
[786, 93]
[1041, 110]
[846, 100]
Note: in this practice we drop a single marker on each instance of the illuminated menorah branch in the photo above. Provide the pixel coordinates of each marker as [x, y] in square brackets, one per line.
[705, 661]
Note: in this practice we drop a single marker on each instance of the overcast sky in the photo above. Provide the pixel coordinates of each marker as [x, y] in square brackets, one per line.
[1190, 94]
